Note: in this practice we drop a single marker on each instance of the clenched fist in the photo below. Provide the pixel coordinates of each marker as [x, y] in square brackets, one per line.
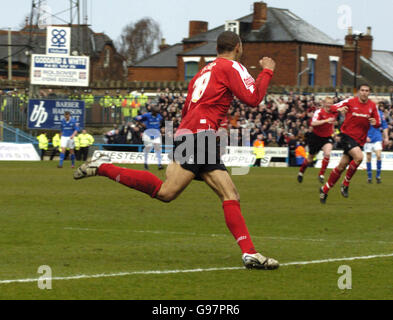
[267, 63]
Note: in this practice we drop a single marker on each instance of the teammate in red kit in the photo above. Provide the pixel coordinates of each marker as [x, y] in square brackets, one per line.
[320, 139]
[209, 97]
[361, 113]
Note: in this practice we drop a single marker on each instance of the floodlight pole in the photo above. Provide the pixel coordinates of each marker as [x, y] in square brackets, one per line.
[9, 54]
[355, 80]
[356, 38]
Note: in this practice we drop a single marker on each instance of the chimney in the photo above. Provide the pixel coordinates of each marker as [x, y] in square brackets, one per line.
[260, 15]
[349, 52]
[348, 37]
[366, 44]
[197, 27]
[163, 44]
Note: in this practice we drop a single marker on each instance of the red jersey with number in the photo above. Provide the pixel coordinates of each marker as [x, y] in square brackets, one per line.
[211, 92]
[327, 129]
[357, 120]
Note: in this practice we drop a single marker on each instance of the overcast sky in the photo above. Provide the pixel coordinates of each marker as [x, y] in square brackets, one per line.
[110, 16]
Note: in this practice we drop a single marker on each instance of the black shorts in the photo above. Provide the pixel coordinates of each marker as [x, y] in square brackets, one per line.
[199, 153]
[316, 143]
[347, 143]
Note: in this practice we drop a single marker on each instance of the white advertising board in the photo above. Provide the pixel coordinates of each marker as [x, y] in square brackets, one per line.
[18, 152]
[271, 152]
[387, 161]
[58, 41]
[139, 158]
[60, 70]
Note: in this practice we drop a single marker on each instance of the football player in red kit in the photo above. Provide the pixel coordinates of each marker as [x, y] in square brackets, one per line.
[320, 139]
[361, 113]
[209, 97]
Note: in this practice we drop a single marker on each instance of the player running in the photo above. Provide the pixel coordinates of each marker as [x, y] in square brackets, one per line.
[152, 134]
[69, 129]
[375, 139]
[361, 113]
[321, 138]
[209, 98]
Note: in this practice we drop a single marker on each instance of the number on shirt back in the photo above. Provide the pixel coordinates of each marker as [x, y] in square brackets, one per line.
[200, 86]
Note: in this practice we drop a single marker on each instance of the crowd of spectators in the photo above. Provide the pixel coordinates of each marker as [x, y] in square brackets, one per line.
[282, 120]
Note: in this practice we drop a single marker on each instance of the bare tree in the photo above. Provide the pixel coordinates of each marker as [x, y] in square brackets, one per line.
[139, 40]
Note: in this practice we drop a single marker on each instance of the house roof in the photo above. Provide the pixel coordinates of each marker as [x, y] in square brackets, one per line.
[370, 73]
[384, 60]
[374, 74]
[166, 58]
[282, 26]
[207, 49]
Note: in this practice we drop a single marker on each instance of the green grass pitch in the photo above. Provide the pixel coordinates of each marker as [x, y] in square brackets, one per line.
[97, 227]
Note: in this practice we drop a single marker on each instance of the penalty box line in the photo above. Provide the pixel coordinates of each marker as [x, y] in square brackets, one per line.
[161, 272]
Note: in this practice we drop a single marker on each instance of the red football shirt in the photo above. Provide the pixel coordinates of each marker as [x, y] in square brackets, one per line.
[326, 130]
[211, 92]
[357, 120]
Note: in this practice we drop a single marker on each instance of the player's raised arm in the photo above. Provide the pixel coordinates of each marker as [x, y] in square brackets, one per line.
[244, 87]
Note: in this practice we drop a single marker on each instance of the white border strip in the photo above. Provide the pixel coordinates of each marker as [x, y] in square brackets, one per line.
[158, 272]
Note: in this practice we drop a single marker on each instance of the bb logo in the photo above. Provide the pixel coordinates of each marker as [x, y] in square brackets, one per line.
[39, 115]
[59, 38]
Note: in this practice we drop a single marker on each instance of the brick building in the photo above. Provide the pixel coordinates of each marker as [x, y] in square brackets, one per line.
[372, 66]
[305, 55]
[291, 41]
[105, 62]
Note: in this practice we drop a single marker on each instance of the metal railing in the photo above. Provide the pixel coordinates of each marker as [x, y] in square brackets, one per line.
[11, 134]
[100, 111]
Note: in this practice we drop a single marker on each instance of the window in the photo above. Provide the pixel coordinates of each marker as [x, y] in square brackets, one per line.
[333, 73]
[191, 69]
[334, 70]
[107, 58]
[311, 72]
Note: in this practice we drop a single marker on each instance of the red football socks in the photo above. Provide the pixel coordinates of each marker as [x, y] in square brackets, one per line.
[143, 181]
[325, 164]
[304, 166]
[353, 168]
[334, 177]
[236, 224]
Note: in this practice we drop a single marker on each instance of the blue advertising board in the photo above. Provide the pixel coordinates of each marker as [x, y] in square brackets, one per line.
[47, 114]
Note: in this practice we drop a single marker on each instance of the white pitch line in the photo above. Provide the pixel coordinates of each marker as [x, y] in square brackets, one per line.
[225, 235]
[160, 272]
